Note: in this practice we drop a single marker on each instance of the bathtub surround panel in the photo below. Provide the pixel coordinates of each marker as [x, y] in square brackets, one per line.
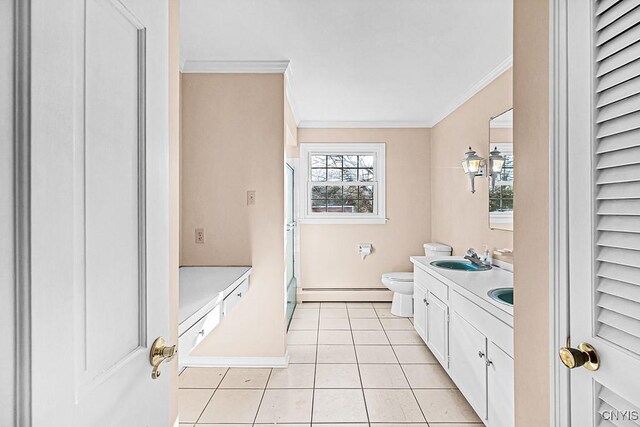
[232, 142]
[330, 265]
[459, 218]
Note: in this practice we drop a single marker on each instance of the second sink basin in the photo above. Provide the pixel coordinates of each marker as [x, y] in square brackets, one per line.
[502, 295]
[460, 265]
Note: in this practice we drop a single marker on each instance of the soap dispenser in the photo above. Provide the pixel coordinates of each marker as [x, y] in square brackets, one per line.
[488, 259]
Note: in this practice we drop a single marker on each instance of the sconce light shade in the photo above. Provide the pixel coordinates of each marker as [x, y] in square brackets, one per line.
[496, 161]
[473, 165]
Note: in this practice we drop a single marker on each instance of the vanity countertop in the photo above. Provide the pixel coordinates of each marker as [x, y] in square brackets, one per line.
[201, 288]
[473, 285]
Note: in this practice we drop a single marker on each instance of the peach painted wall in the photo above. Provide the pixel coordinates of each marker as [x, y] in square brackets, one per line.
[232, 142]
[328, 252]
[531, 119]
[458, 217]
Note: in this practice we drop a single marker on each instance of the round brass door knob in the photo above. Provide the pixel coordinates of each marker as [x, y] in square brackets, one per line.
[585, 355]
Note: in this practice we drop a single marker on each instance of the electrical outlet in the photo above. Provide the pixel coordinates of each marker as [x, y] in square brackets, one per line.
[200, 236]
[251, 197]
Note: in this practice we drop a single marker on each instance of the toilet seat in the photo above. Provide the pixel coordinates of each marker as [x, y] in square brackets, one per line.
[402, 276]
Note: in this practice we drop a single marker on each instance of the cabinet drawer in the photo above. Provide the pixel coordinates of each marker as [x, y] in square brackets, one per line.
[496, 330]
[234, 297]
[434, 286]
[195, 334]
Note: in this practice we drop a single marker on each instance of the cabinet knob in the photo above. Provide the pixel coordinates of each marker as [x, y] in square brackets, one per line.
[201, 332]
[240, 294]
[480, 354]
[424, 300]
[489, 362]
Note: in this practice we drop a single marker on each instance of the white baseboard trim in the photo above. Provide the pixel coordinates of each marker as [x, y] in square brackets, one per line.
[235, 362]
[352, 295]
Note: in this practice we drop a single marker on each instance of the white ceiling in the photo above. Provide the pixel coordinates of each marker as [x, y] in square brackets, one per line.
[360, 62]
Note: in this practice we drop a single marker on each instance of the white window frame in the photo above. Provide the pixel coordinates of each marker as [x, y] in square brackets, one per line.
[376, 149]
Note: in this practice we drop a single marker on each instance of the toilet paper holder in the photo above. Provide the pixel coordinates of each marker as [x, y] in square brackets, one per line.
[365, 249]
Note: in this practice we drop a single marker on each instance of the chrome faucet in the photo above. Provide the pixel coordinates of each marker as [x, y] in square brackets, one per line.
[473, 257]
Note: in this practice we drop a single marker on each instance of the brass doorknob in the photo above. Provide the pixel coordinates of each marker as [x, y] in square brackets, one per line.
[585, 355]
[158, 354]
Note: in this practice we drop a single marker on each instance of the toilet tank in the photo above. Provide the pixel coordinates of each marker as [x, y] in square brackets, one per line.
[437, 249]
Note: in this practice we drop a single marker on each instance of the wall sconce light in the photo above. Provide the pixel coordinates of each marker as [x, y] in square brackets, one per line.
[496, 161]
[473, 166]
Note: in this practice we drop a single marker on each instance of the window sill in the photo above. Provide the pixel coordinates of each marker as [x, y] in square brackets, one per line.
[337, 221]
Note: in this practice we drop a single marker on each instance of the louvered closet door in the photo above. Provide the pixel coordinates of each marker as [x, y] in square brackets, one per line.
[604, 204]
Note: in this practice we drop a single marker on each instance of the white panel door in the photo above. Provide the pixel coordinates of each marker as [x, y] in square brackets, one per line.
[438, 329]
[99, 211]
[604, 203]
[500, 387]
[468, 362]
[420, 310]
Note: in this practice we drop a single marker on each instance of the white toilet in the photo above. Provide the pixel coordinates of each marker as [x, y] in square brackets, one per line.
[401, 283]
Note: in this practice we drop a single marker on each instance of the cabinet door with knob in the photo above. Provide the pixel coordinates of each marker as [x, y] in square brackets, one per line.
[500, 387]
[420, 310]
[469, 362]
[438, 329]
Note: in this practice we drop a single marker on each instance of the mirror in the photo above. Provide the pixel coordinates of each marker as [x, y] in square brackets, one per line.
[501, 178]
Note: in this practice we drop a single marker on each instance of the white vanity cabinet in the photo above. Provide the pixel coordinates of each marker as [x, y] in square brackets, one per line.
[207, 296]
[469, 334]
[431, 316]
[468, 367]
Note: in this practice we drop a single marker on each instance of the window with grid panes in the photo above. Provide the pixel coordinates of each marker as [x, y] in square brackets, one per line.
[343, 181]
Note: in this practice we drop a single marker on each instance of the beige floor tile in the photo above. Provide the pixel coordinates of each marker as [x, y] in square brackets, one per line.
[191, 403]
[302, 337]
[383, 376]
[392, 406]
[306, 314]
[185, 425]
[386, 305]
[411, 320]
[336, 354]
[397, 324]
[337, 376]
[452, 425]
[385, 313]
[414, 354]
[369, 337]
[399, 425]
[441, 405]
[295, 376]
[341, 425]
[334, 337]
[285, 406]
[246, 378]
[365, 324]
[303, 325]
[333, 313]
[362, 313]
[339, 406]
[404, 337]
[232, 406]
[359, 305]
[271, 424]
[302, 353]
[375, 354]
[335, 324]
[427, 376]
[333, 305]
[308, 305]
[201, 377]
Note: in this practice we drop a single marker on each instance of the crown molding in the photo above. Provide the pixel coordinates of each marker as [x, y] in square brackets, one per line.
[493, 74]
[233, 67]
[362, 124]
[289, 91]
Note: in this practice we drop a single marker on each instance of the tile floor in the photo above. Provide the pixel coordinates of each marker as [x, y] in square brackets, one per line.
[351, 363]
